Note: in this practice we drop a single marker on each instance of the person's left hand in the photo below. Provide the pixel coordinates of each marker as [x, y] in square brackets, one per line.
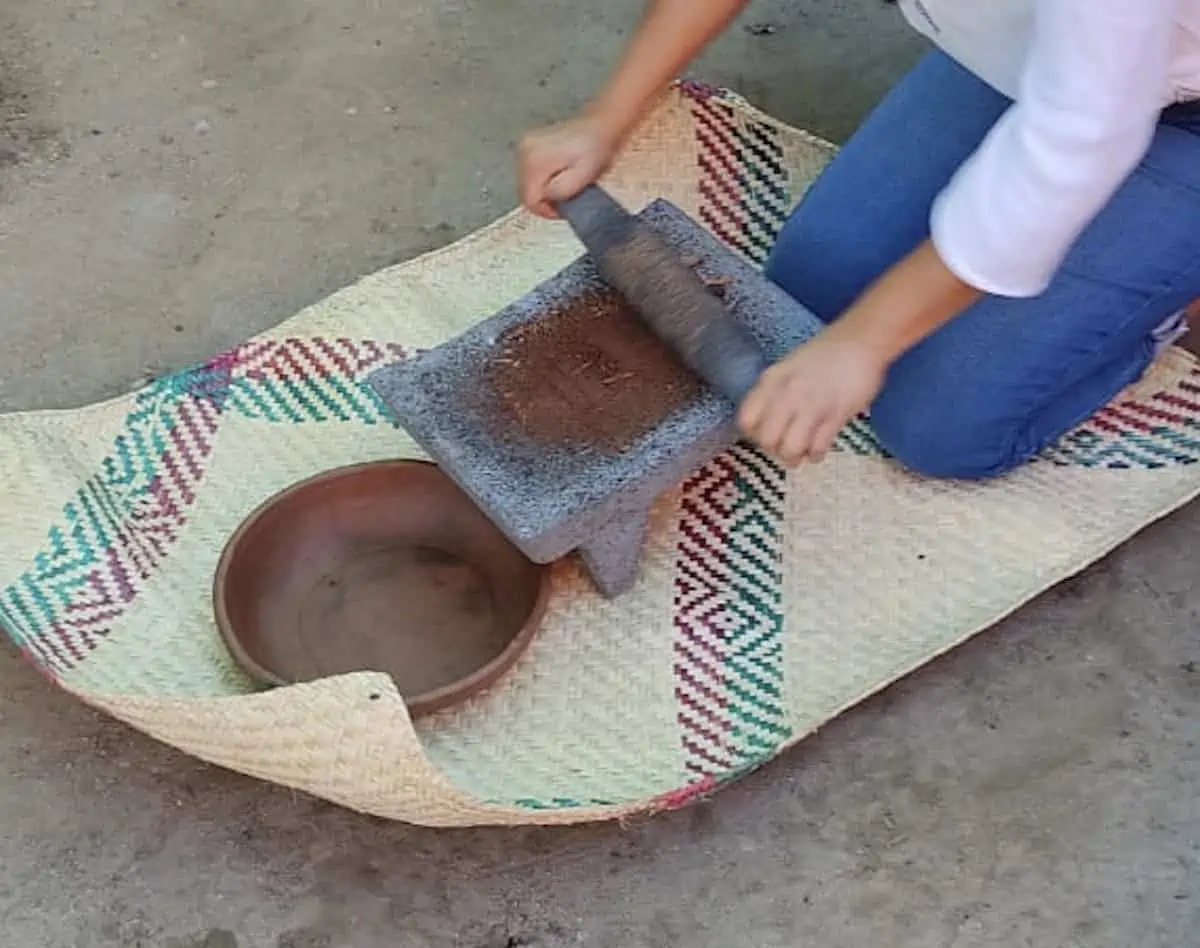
[801, 403]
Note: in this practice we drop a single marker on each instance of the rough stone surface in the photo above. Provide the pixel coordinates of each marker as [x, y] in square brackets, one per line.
[1035, 789]
[553, 501]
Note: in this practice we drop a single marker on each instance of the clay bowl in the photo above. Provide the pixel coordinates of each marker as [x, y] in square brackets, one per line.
[385, 567]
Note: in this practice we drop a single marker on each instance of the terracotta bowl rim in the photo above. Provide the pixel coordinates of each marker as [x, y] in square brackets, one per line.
[420, 705]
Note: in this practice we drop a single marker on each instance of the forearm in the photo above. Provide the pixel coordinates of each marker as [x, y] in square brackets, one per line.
[672, 33]
[909, 302]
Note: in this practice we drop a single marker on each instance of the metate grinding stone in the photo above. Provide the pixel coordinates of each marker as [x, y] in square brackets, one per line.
[553, 499]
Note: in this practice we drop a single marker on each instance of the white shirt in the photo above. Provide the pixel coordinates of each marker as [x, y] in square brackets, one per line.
[1089, 78]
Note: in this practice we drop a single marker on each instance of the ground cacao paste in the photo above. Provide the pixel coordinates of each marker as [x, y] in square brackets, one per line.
[588, 376]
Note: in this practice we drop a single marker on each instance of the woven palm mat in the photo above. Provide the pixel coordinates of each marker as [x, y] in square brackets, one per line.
[769, 603]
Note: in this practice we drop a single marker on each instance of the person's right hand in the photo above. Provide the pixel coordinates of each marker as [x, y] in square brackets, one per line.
[559, 161]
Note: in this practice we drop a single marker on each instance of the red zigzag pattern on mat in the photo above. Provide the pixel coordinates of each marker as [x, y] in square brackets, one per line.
[702, 574]
[140, 542]
[123, 522]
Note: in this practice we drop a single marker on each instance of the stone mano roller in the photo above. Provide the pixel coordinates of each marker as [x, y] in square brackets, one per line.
[666, 293]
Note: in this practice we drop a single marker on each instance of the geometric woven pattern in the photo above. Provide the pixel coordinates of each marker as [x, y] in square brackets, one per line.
[729, 616]
[1157, 430]
[122, 522]
[768, 602]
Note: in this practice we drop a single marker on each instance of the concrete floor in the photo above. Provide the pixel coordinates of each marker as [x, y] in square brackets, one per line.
[175, 176]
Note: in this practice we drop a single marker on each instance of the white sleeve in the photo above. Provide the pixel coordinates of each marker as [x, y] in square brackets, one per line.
[1093, 85]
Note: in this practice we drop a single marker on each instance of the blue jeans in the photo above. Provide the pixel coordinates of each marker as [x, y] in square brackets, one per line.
[1005, 378]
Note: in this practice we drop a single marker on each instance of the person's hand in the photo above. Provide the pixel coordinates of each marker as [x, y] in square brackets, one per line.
[557, 162]
[801, 403]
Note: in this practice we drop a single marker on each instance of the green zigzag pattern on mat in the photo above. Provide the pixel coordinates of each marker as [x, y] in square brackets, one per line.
[113, 532]
[122, 522]
[729, 616]
[555, 803]
[1162, 430]
[728, 582]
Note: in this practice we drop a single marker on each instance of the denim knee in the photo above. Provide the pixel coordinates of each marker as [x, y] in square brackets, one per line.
[945, 444]
[798, 265]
